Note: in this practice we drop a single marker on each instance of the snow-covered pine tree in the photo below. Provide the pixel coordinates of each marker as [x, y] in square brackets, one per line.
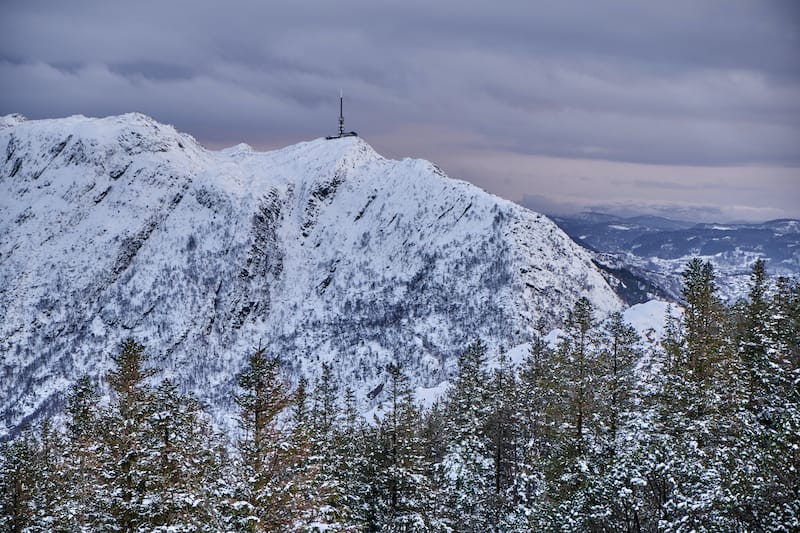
[325, 411]
[350, 461]
[785, 330]
[766, 421]
[19, 479]
[404, 473]
[51, 495]
[755, 338]
[613, 493]
[187, 463]
[576, 374]
[434, 433]
[538, 414]
[81, 462]
[301, 416]
[504, 445]
[615, 360]
[672, 341]
[569, 466]
[465, 473]
[322, 430]
[703, 319]
[701, 416]
[147, 462]
[272, 492]
[123, 474]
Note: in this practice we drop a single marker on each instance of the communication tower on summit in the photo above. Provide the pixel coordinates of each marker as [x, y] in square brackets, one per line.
[342, 133]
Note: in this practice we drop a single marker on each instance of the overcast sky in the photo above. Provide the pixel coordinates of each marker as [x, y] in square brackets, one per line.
[689, 109]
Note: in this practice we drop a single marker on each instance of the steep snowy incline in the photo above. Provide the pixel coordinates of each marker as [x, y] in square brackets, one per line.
[322, 251]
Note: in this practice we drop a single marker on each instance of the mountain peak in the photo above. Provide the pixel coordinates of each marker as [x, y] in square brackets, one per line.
[133, 132]
[349, 151]
[13, 119]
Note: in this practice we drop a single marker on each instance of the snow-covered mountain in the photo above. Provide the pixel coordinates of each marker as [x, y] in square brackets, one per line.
[655, 250]
[322, 251]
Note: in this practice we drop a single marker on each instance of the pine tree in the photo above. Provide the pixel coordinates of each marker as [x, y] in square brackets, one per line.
[125, 475]
[612, 496]
[323, 434]
[32, 489]
[19, 478]
[148, 462]
[755, 337]
[434, 433]
[672, 341]
[185, 460]
[404, 480]
[326, 410]
[699, 418]
[710, 441]
[51, 493]
[465, 474]
[81, 462]
[301, 416]
[785, 330]
[539, 414]
[767, 437]
[373, 514]
[569, 467]
[703, 319]
[576, 372]
[128, 379]
[273, 478]
[616, 359]
[351, 467]
[502, 429]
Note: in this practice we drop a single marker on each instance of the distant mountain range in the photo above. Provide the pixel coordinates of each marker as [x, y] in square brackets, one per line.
[654, 250]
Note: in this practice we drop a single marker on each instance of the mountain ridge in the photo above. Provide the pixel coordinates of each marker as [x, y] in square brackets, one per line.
[323, 250]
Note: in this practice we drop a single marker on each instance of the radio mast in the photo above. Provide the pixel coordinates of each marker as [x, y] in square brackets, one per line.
[341, 113]
[342, 133]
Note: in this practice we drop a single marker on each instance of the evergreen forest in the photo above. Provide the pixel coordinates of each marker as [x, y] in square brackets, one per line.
[699, 432]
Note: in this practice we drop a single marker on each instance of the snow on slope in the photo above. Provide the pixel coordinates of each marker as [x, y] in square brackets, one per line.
[322, 251]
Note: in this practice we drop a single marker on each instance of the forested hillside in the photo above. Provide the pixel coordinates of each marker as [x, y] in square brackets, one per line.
[698, 432]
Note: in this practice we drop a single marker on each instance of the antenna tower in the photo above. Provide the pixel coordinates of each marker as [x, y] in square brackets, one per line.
[342, 133]
[341, 113]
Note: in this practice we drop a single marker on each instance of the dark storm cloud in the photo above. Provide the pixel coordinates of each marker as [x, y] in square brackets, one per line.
[703, 83]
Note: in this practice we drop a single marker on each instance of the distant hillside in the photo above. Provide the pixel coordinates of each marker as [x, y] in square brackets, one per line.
[656, 249]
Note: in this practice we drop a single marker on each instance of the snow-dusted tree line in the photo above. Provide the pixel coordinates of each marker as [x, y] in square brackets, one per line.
[700, 432]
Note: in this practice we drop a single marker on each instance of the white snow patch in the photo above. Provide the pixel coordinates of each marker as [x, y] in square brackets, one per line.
[426, 397]
[648, 318]
[97, 327]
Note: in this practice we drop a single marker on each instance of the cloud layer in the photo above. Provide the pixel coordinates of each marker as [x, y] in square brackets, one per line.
[614, 104]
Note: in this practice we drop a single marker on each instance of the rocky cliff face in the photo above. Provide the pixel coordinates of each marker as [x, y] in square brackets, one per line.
[322, 251]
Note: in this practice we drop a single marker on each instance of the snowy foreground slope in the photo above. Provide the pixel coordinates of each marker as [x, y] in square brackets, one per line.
[322, 251]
